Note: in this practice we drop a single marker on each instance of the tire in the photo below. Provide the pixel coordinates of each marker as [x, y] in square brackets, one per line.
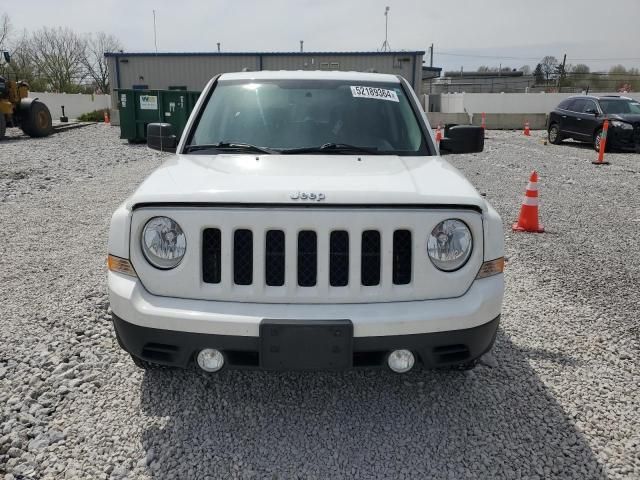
[596, 141]
[3, 125]
[554, 134]
[37, 120]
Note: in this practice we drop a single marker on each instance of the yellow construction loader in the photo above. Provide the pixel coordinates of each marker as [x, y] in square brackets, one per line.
[18, 110]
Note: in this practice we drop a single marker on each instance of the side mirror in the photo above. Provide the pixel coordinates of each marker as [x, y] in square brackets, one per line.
[462, 139]
[160, 136]
[592, 111]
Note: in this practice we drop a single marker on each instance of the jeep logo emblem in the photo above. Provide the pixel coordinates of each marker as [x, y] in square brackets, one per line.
[312, 196]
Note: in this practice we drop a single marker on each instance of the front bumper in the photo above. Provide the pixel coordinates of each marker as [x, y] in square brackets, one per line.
[171, 330]
[624, 140]
[179, 349]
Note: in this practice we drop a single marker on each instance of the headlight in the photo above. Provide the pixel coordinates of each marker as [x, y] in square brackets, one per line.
[449, 245]
[622, 125]
[163, 243]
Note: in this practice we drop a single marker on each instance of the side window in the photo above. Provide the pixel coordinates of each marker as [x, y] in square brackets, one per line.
[577, 105]
[589, 106]
[564, 105]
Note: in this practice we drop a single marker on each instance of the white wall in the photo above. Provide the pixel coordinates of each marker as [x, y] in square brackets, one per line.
[75, 104]
[506, 102]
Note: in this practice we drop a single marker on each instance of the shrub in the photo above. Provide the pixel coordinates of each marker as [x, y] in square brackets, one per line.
[95, 116]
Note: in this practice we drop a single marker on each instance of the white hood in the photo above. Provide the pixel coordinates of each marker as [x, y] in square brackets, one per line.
[343, 179]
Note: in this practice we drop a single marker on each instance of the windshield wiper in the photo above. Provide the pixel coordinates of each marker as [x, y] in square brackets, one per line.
[332, 147]
[229, 146]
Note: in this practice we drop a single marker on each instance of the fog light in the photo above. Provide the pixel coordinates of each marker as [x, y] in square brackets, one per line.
[210, 360]
[401, 361]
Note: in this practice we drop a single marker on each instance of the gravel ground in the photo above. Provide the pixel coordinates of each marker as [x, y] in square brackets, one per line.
[558, 398]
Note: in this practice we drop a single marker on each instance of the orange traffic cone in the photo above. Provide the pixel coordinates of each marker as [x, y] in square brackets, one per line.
[603, 145]
[106, 117]
[438, 134]
[528, 219]
[527, 132]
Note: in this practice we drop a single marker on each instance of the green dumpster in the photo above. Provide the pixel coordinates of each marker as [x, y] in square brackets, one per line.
[138, 108]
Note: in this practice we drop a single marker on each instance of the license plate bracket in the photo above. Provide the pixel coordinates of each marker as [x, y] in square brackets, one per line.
[306, 344]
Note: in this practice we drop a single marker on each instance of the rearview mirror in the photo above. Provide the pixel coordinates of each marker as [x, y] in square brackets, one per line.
[462, 139]
[160, 136]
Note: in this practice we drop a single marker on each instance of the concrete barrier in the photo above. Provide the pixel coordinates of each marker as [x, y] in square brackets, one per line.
[75, 104]
[512, 121]
[443, 119]
[507, 102]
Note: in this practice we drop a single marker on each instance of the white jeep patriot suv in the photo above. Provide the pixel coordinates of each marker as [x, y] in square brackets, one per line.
[307, 221]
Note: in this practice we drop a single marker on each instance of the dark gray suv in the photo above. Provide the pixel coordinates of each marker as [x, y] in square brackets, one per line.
[582, 117]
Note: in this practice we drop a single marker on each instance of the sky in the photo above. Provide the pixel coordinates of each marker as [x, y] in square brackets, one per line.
[465, 33]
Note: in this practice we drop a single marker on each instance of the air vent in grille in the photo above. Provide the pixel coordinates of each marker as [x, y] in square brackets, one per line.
[370, 267]
[274, 258]
[307, 258]
[243, 257]
[211, 253]
[401, 257]
[339, 258]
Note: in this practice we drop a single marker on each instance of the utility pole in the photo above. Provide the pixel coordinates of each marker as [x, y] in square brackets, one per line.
[385, 44]
[561, 72]
[218, 46]
[301, 44]
[431, 65]
[155, 35]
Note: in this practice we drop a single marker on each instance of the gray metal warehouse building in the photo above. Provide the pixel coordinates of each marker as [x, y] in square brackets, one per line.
[192, 71]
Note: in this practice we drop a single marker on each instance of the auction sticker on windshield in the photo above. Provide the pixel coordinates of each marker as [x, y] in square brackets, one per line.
[374, 92]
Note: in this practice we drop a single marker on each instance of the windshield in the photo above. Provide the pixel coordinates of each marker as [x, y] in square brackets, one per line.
[282, 115]
[620, 106]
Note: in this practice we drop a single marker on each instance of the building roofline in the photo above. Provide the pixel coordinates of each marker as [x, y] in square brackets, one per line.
[475, 74]
[264, 54]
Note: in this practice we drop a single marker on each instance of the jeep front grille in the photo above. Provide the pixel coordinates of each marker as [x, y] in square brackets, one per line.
[370, 266]
[306, 257]
[339, 258]
[242, 257]
[402, 257]
[274, 258]
[211, 255]
[296, 255]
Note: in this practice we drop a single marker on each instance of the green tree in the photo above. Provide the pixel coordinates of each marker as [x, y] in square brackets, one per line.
[549, 67]
[578, 76]
[94, 60]
[57, 54]
[538, 74]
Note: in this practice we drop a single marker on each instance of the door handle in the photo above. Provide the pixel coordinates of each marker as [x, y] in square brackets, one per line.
[564, 116]
[579, 119]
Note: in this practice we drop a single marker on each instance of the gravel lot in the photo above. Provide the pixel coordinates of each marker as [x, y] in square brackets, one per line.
[558, 398]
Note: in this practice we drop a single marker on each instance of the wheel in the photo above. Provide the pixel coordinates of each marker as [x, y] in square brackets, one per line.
[597, 139]
[37, 121]
[554, 134]
[3, 125]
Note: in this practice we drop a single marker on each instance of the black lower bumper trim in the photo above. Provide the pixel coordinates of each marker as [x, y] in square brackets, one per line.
[174, 348]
